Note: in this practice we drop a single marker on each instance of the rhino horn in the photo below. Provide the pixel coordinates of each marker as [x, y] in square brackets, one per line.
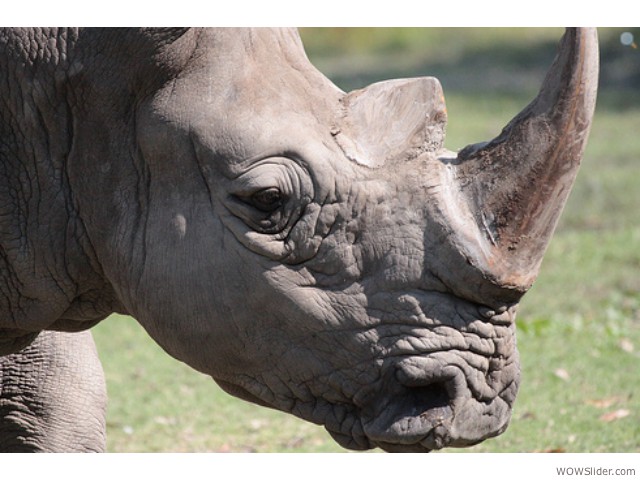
[509, 192]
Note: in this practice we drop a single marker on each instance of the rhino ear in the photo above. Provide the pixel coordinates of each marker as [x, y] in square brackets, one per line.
[391, 121]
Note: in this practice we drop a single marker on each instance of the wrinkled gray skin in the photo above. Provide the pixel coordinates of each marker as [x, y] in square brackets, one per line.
[53, 396]
[313, 251]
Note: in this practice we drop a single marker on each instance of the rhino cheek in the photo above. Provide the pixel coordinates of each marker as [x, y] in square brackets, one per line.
[185, 295]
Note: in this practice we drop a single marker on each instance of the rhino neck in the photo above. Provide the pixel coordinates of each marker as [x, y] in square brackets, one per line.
[39, 213]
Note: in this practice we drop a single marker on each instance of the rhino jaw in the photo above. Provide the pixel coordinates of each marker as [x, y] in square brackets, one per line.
[430, 406]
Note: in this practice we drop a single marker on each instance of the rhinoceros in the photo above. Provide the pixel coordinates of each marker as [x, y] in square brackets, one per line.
[312, 250]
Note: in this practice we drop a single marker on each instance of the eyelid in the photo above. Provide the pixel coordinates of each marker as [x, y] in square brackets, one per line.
[262, 177]
[251, 183]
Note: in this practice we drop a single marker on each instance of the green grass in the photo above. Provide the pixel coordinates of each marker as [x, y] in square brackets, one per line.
[157, 404]
[578, 328]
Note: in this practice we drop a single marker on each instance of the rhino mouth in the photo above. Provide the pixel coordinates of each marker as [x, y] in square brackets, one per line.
[419, 416]
[411, 414]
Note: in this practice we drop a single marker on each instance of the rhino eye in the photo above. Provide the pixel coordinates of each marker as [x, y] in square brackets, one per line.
[267, 199]
[269, 196]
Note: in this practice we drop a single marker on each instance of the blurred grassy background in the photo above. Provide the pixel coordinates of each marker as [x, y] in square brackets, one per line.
[579, 327]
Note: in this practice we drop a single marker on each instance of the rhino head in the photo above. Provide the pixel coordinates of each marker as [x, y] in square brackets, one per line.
[316, 251]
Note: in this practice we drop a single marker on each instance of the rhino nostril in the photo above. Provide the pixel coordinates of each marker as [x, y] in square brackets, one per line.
[416, 414]
[420, 408]
[432, 402]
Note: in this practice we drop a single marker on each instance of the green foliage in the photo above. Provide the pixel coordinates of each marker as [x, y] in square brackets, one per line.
[578, 328]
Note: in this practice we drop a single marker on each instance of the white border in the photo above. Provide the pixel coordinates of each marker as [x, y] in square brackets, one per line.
[319, 466]
[353, 13]
[324, 13]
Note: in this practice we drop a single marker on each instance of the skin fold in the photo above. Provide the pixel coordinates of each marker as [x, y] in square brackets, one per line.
[312, 250]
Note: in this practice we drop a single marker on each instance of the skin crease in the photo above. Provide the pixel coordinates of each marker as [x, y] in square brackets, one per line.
[220, 173]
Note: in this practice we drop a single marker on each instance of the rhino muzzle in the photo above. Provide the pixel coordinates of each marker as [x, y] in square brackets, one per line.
[447, 397]
[421, 415]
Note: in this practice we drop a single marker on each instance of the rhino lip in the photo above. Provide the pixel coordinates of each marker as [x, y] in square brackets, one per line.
[420, 412]
[419, 416]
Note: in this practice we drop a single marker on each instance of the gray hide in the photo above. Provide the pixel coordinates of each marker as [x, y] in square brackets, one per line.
[53, 396]
[314, 251]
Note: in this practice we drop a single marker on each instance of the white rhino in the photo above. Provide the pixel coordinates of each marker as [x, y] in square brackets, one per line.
[314, 251]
